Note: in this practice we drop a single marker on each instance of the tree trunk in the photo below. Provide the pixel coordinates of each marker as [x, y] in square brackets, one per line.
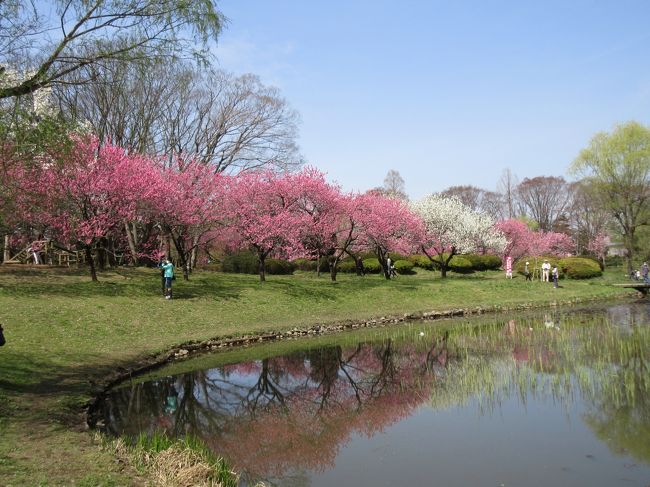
[91, 262]
[318, 263]
[7, 250]
[381, 256]
[334, 263]
[182, 257]
[131, 239]
[262, 256]
[629, 247]
[101, 254]
[445, 263]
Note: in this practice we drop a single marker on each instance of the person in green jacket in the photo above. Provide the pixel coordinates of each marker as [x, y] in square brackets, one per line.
[168, 269]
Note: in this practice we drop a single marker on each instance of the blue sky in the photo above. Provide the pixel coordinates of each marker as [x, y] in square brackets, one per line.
[446, 93]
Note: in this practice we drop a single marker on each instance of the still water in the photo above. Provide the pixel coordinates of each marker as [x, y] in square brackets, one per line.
[555, 398]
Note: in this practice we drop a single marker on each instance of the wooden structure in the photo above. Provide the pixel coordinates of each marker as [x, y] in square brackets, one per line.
[642, 287]
[46, 252]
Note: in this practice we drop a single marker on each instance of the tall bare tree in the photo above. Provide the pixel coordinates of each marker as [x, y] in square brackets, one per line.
[394, 185]
[507, 187]
[544, 199]
[478, 199]
[586, 216]
[231, 123]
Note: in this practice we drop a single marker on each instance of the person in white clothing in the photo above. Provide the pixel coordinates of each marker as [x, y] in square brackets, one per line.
[546, 269]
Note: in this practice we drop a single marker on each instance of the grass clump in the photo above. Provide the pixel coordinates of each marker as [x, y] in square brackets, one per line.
[184, 462]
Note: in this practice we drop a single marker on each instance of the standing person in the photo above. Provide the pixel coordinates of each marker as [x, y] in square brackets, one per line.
[644, 273]
[389, 265]
[555, 276]
[527, 272]
[168, 269]
[162, 275]
[546, 267]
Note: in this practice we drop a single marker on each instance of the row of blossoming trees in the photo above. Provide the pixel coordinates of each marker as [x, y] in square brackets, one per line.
[96, 193]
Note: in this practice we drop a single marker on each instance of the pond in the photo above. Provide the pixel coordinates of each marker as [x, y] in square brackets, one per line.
[560, 397]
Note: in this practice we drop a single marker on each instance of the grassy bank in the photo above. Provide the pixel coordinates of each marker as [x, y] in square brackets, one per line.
[65, 335]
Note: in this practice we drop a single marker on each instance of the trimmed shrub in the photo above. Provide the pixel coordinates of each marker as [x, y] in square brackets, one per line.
[484, 262]
[246, 262]
[372, 266]
[421, 261]
[460, 265]
[243, 262]
[348, 266]
[404, 267]
[305, 264]
[279, 267]
[580, 267]
[394, 256]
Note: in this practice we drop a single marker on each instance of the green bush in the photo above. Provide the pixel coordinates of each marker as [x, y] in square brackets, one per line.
[347, 265]
[246, 262]
[421, 261]
[580, 267]
[461, 265]
[279, 267]
[404, 267]
[372, 266]
[484, 262]
[305, 265]
[593, 259]
[394, 256]
[243, 262]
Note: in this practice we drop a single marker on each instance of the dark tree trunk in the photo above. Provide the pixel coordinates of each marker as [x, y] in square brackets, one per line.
[182, 256]
[334, 264]
[358, 264]
[262, 257]
[383, 262]
[91, 262]
[101, 254]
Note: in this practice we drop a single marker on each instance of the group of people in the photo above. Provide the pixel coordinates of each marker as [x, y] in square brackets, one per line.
[641, 274]
[548, 273]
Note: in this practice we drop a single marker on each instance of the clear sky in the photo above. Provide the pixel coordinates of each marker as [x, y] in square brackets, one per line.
[445, 92]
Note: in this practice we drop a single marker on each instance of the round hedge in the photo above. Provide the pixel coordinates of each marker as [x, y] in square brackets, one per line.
[580, 267]
[404, 267]
[246, 262]
[484, 262]
[347, 265]
[305, 264]
[371, 265]
[421, 261]
[279, 267]
[460, 265]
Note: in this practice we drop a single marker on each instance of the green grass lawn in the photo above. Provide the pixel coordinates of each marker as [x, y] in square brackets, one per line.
[65, 335]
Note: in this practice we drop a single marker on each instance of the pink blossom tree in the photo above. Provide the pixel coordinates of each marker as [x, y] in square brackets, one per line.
[262, 210]
[189, 207]
[518, 237]
[84, 195]
[387, 224]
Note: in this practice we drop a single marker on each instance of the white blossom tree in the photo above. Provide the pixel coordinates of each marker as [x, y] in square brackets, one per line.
[451, 228]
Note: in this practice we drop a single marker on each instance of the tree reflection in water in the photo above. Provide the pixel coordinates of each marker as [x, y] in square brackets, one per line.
[281, 416]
